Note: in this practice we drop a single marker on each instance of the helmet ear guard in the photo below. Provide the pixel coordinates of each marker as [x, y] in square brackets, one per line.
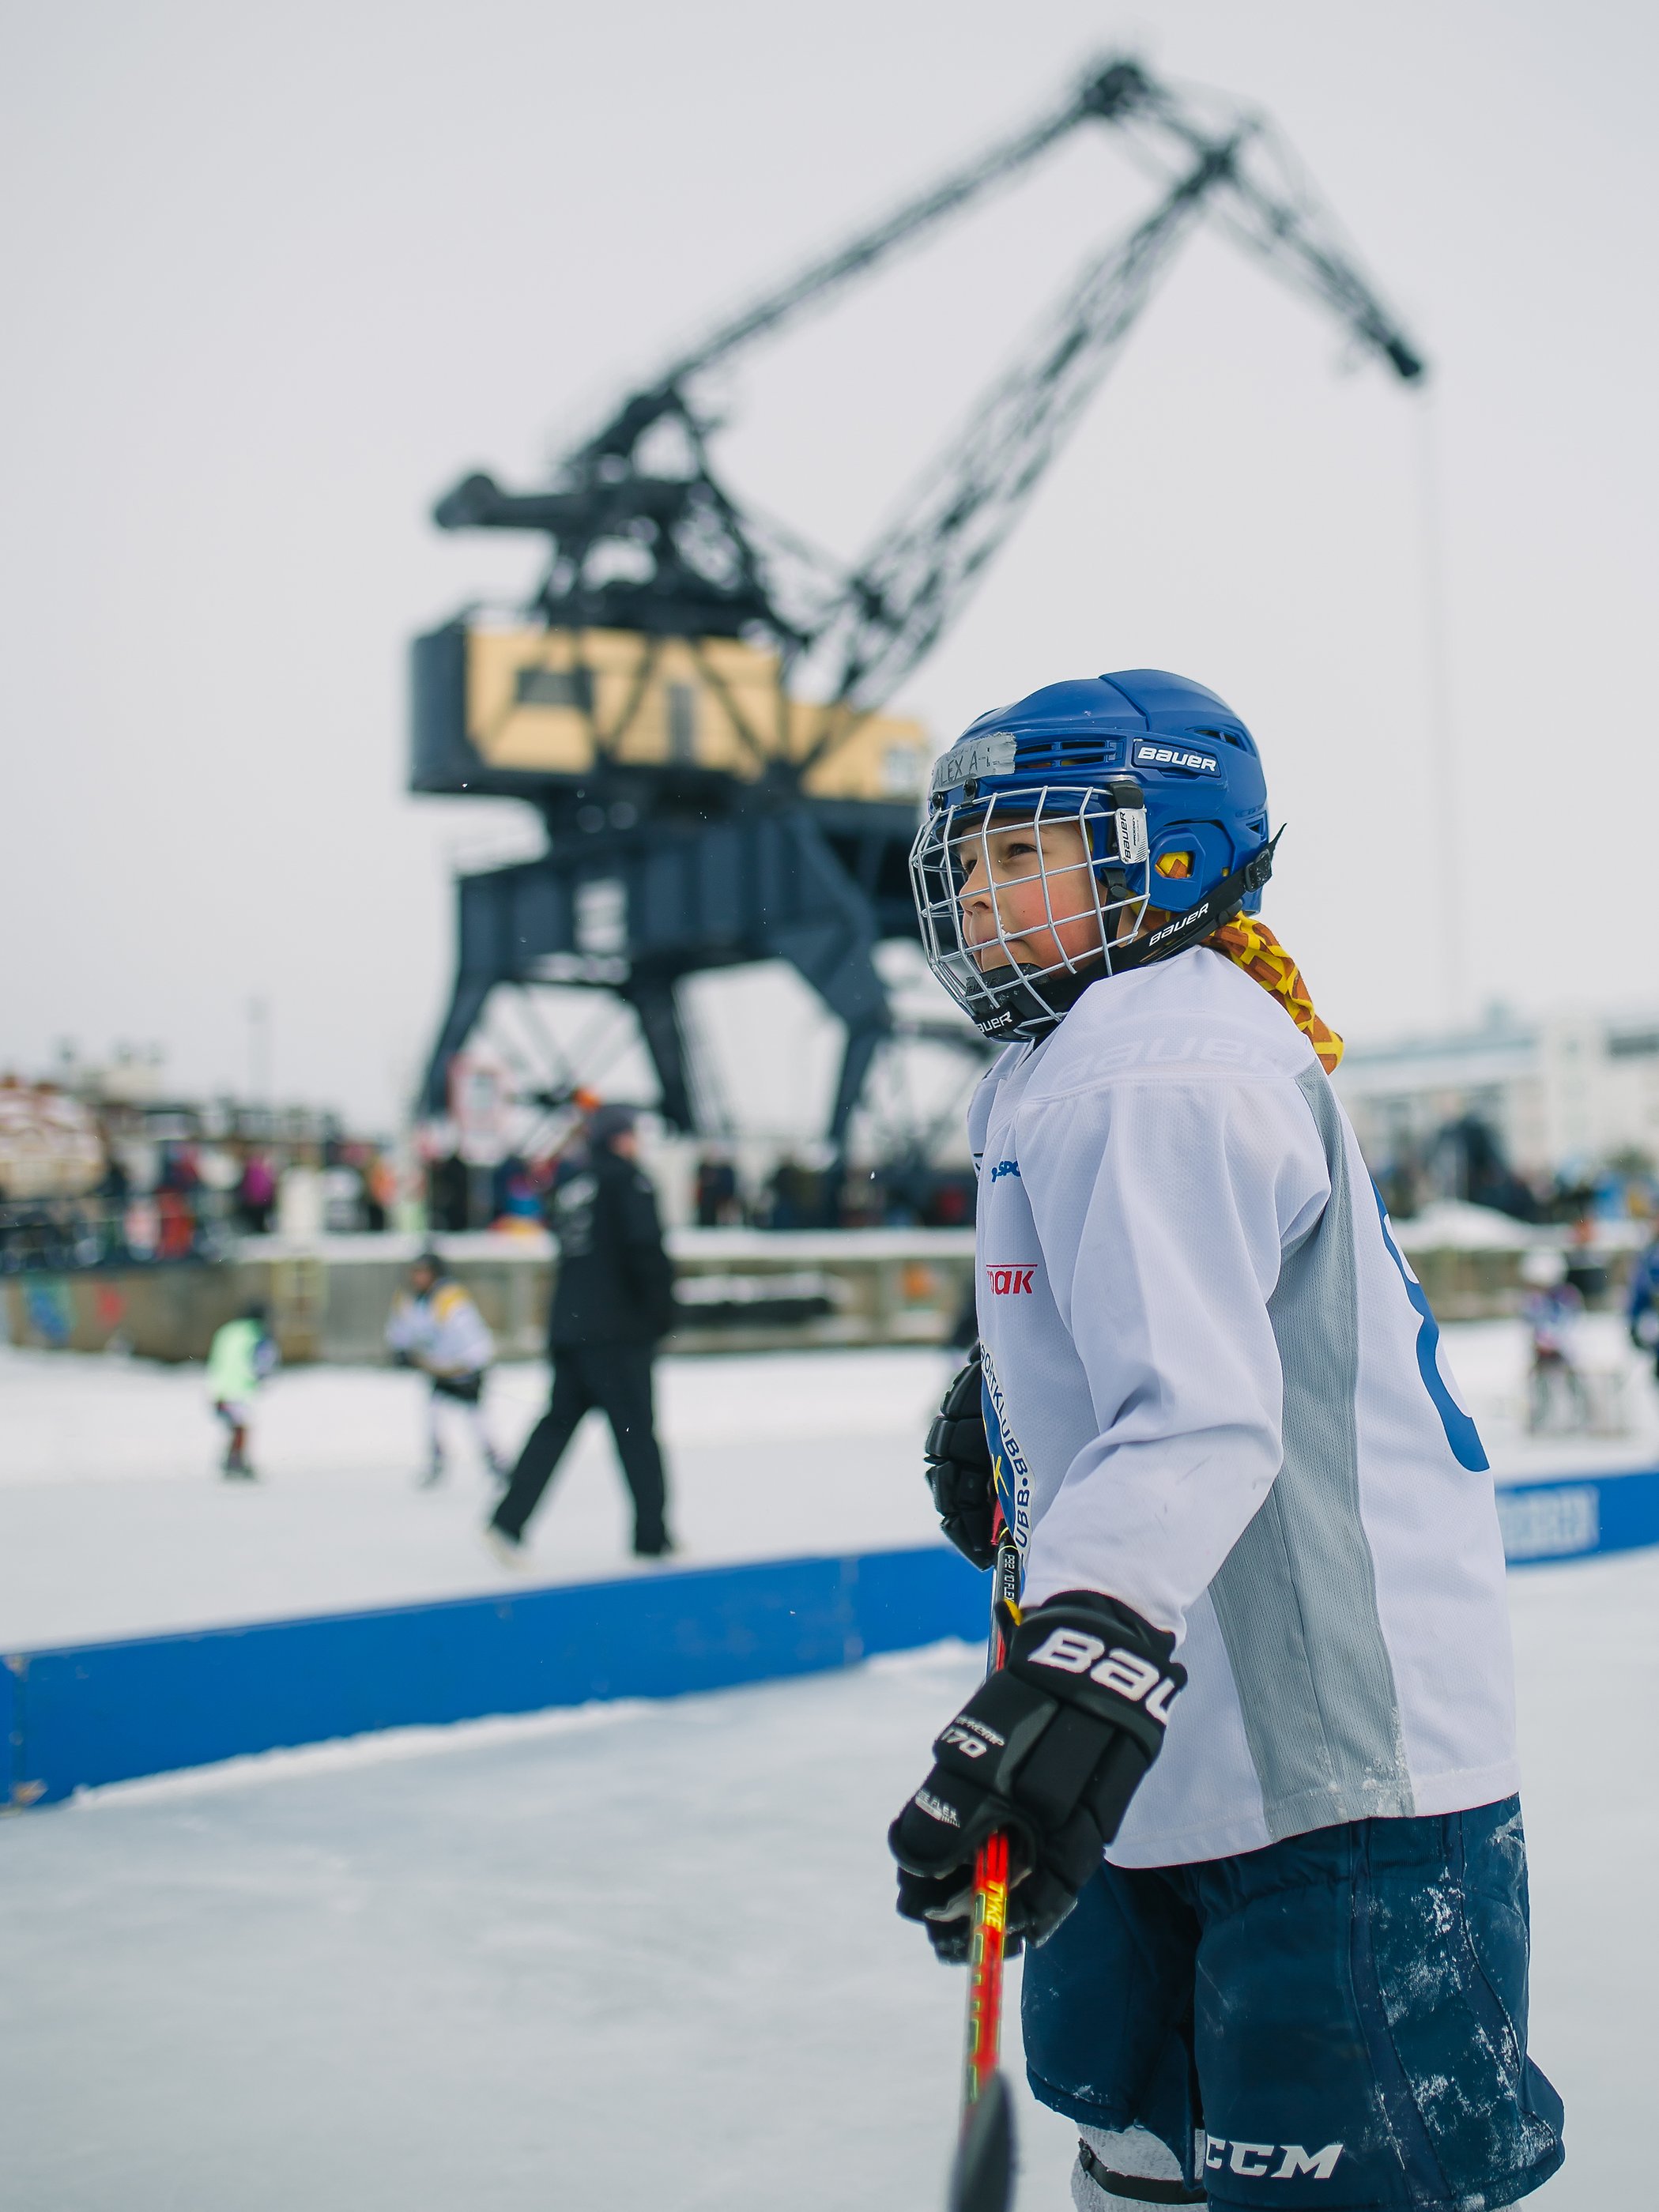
[1189, 858]
[1238, 892]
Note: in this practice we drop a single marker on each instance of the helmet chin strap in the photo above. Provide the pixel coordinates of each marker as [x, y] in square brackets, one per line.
[1055, 996]
[1213, 910]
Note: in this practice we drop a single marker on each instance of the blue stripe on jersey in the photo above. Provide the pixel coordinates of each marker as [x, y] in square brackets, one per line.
[1460, 1432]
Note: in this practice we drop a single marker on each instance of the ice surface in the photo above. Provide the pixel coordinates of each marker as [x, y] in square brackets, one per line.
[643, 1959]
[113, 1524]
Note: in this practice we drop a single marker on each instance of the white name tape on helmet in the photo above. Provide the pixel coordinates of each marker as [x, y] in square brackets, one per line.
[992, 756]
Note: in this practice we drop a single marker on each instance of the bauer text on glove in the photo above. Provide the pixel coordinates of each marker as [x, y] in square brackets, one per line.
[1052, 1747]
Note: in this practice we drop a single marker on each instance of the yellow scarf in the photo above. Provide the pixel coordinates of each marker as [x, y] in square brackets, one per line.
[1251, 945]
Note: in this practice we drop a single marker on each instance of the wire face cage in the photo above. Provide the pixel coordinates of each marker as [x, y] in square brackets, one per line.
[1026, 888]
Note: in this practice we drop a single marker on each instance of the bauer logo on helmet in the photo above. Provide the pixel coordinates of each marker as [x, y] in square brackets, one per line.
[1176, 756]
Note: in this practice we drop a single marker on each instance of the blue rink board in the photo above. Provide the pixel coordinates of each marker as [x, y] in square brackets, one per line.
[1571, 1516]
[107, 1712]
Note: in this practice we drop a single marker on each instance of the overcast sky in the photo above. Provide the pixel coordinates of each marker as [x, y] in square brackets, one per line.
[275, 275]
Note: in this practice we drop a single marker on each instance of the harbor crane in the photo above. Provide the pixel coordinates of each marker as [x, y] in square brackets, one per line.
[694, 699]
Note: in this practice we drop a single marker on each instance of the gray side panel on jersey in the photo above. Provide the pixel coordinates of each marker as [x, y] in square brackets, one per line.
[1296, 1596]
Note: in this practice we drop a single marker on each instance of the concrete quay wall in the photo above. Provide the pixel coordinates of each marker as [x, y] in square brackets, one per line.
[740, 1291]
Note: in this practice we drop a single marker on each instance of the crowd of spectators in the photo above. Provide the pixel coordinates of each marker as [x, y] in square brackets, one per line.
[793, 1195]
[94, 1182]
[90, 1184]
[901, 1193]
[1465, 1160]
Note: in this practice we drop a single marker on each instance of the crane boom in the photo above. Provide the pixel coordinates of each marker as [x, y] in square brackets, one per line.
[650, 706]
[1106, 94]
[668, 550]
[1281, 220]
[918, 576]
[905, 591]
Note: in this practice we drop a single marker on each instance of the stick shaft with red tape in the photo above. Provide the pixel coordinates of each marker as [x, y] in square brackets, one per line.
[981, 2180]
[984, 2038]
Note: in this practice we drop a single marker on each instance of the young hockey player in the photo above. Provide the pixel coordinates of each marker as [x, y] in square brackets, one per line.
[242, 1356]
[1641, 1303]
[1217, 1422]
[1552, 1310]
[435, 1327]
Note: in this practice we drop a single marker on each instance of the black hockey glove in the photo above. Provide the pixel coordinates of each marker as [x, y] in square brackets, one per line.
[1051, 1747]
[959, 1470]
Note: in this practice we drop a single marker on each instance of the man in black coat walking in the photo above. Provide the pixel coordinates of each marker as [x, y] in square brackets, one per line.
[613, 1300]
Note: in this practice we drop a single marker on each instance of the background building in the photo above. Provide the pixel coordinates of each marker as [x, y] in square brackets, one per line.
[1535, 1115]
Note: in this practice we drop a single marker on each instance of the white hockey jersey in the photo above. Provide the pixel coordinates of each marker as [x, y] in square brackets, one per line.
[1221, 1398]
[443, 1332]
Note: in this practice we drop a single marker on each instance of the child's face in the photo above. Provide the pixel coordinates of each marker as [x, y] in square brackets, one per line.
[1036, 880]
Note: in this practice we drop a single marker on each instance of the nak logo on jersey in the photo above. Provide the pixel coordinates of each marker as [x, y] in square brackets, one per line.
[1010, 1282]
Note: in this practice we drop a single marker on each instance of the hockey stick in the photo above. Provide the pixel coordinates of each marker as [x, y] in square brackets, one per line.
[983, 2174]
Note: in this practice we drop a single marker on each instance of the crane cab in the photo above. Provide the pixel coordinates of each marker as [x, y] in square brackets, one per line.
[516, 710]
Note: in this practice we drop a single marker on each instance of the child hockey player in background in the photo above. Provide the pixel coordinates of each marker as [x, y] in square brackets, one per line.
[241, 1356]
[1642, 1304]
[1551, 1310]
[435, 1327]
[1262, 1660]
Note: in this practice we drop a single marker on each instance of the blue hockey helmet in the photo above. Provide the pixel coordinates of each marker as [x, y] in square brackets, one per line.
[1163, 786]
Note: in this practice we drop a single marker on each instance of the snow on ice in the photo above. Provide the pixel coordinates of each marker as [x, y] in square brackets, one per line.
[646, 1956]
[113, 1522]
[633, 1957]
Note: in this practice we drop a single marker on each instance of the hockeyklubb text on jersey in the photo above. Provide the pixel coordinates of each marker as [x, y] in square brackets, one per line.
[1010, 1281]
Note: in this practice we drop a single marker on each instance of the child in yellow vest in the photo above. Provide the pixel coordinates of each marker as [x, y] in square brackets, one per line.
[240, 1358]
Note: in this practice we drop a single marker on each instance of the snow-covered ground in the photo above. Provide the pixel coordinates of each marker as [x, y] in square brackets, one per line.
[643, 1958]
[112, 1522]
